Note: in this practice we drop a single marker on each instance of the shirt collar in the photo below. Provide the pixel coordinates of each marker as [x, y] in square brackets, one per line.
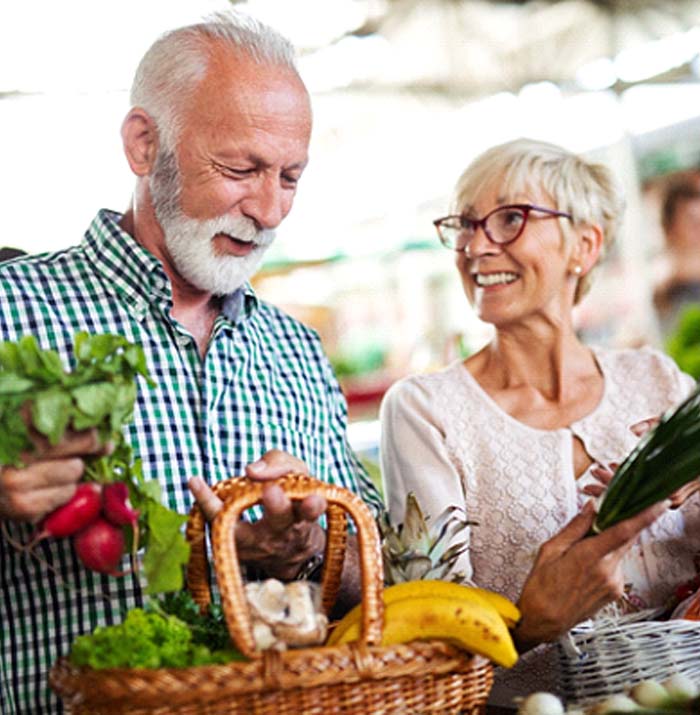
[125, 264]
[137, 274]
[241, 303]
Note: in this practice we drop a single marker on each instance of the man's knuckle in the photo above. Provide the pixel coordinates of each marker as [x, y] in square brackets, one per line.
[20, 505]
[10, 479]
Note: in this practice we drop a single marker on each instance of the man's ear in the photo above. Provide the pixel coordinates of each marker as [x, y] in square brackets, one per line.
[589, 243]
[140, 140]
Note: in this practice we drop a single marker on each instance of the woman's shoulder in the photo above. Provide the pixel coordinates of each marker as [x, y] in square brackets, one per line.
[644, 368]
[640, 360]
[428, 390]
[448, 377]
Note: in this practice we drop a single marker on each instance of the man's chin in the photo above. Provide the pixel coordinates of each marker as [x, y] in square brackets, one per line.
[222, 280]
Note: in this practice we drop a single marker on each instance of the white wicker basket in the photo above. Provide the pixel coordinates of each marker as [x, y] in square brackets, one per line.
[607, 657]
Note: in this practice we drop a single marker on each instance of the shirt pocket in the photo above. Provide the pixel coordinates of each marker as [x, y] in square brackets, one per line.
[287, 436]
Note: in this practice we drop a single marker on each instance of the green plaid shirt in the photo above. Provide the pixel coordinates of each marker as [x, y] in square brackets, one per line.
[263, 384]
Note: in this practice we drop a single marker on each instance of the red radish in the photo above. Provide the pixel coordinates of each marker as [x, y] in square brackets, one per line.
[100, 546]
[116, 506]
[77, 513]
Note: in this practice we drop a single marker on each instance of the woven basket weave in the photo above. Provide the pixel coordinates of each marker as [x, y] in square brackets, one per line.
[359, 678]
[610, 656]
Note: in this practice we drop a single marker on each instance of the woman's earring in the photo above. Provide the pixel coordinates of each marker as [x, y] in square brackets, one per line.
[577, 269]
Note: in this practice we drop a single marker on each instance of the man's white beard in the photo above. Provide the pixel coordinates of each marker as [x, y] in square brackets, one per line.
[190, 244]
[190, 241]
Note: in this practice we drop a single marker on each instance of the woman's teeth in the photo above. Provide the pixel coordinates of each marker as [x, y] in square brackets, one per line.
[492, 279]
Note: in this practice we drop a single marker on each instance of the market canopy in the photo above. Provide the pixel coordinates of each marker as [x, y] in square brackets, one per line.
[404, 93]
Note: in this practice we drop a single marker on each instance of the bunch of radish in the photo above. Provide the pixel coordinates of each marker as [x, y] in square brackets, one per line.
[38, 396]
[94, 518]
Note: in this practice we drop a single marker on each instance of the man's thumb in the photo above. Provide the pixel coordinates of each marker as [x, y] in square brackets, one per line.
[208, 502]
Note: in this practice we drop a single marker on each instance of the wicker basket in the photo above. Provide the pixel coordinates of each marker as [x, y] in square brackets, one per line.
[610, 656]
[353, 679]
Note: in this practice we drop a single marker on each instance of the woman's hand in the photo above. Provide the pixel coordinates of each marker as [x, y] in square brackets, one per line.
[288, 533]
[604, 473]
[575, 575]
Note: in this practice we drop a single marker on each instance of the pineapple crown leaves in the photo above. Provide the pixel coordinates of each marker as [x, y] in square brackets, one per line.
[664, 460]
[416, 549]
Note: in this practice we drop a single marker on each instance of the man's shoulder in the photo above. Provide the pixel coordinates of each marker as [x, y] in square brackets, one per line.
[47, 262]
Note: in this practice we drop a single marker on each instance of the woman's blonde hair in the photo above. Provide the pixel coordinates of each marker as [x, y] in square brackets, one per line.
[586, 190]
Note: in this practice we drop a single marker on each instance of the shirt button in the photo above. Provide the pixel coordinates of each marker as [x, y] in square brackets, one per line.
[183, 340]
[140, 310]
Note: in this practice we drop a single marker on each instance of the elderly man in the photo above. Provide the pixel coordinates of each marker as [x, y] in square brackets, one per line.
[217, 138]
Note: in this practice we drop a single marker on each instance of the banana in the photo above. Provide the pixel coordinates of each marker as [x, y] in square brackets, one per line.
[445, 589]
[448, 589]
[467, 623]
[508, 610]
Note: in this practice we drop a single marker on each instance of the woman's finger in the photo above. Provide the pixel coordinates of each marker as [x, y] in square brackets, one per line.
[685, 492]
[643, 426]
[602, 474]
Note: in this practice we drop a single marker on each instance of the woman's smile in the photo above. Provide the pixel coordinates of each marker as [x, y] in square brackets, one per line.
[494, 279]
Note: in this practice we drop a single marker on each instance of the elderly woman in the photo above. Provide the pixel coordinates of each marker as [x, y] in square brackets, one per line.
[517, 432]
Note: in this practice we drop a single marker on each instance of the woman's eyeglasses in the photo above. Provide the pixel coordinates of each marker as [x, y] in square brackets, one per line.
[502, 225]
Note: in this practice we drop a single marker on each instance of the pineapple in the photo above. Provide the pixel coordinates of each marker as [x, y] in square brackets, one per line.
[414, 550]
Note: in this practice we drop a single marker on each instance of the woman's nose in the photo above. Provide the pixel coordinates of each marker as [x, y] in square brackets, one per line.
[481, 245]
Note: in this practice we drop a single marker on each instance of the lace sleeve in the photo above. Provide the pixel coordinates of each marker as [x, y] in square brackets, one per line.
[414, 457]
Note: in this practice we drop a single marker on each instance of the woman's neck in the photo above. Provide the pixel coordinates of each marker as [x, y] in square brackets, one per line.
[550, 362]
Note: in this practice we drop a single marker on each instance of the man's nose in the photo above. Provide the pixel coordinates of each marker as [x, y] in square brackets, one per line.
[266, 203]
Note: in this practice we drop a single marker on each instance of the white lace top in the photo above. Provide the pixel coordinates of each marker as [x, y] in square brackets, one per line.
[447, 440]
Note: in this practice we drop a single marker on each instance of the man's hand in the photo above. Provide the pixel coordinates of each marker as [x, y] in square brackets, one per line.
[288, 533]
[574, 575]
[50, 477]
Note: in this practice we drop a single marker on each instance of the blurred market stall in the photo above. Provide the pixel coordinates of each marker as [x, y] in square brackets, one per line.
[405, 93]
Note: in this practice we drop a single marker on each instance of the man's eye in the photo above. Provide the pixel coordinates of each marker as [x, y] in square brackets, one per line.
[234, 171]
[290, 180]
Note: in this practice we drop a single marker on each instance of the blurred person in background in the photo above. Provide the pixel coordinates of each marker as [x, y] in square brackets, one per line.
[678, 280]
[521, 433]
[217, 138]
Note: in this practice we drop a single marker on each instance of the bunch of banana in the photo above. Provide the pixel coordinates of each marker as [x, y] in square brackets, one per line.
[474, 619]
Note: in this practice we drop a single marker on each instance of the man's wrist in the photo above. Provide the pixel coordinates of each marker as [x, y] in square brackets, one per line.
[311, 569]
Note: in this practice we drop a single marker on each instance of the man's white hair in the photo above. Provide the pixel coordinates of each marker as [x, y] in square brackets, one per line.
[176, 62]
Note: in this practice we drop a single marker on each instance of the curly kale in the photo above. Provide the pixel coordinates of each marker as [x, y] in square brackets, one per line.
[207, 628]
[146, 639]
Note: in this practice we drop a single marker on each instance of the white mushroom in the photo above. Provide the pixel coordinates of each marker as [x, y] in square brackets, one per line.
[268, 600]
[285, 615]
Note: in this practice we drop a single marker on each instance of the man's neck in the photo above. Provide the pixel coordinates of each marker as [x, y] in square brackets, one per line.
[193, 308]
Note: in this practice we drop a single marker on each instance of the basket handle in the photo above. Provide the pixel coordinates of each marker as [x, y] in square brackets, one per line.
[240, 494]
[197, 575]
